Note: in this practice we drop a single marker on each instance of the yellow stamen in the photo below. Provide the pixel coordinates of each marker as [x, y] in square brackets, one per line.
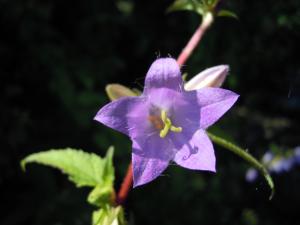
[167, 125]
[176, 129]
[163, 115]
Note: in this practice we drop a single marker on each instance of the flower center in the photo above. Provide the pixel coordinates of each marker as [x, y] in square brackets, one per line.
[164, 124]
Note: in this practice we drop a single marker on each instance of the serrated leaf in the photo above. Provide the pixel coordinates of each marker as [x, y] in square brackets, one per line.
[109, 216]
[227, 13]
[84, 169]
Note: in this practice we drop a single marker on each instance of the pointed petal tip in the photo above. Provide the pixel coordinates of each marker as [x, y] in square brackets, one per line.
[222, 67]
[166, 59]
[162, 62]
[164, 73]
[97, 117]
[213, 170]
[100, 115]
[137, 184]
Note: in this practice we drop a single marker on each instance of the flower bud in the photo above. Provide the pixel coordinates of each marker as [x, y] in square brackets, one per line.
[211, 77]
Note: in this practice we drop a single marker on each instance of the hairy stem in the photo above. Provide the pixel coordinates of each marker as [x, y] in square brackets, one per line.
[246, 156]
[195, 39]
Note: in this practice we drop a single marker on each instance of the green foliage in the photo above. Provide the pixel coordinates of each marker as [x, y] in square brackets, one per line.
[115, 91]
[188, 5]
[84, 169]
[108, 216]
[249, 217]
[227, 13]
[101, 195]
[199, 6]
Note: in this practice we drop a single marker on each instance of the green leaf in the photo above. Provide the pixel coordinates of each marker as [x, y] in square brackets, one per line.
[116, 91]
[246, 156]
[227, 13]
[84, 169]
[189, 5]
[109, 216]
[101, 195]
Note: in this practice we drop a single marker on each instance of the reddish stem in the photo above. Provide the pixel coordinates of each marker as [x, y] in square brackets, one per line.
[195, 39]
[184, 55]
[125, 186]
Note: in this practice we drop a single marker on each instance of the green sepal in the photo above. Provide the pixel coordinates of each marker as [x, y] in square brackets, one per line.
[186, 5]
[184, 77]
[200, 7]
[82, 168]
[109, 215]
[227, 13]
[136, 91]
[116, 91]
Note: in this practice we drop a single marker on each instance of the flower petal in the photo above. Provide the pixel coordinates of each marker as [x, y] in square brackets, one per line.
[127, 115]
[146, 169]
[164, 72]
[213, 103]
[211, 77]
[151, 145]
[197, 153]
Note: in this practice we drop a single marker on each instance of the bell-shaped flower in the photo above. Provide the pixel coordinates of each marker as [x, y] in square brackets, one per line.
[167, 123]
[211, 77]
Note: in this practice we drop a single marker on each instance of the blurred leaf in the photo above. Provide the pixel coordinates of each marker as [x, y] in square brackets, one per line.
[227, 13]
[125, 7]
[190, 5]
[116, 91]
[199, 6]
[249, 217]
[84, 169]
[136, 91]
[109, 216]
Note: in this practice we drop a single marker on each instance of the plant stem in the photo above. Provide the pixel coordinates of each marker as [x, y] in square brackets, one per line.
[195, 39]
[246, 156]
[125, 186]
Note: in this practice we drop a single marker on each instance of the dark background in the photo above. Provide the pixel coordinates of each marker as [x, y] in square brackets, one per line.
[56, 58]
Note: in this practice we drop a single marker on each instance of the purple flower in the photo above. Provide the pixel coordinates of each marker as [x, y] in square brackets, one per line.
[251, 175]
[297, 155]
[278, 163]
[167, 123]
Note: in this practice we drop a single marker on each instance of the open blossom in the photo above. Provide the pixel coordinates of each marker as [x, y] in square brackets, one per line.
[167, 123]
